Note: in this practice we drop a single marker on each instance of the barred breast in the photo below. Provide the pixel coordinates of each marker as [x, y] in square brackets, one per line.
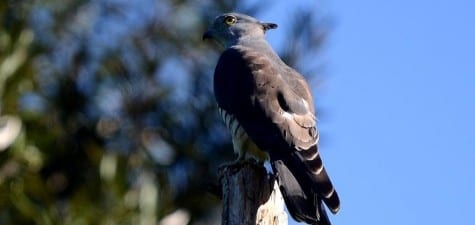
[242, 144]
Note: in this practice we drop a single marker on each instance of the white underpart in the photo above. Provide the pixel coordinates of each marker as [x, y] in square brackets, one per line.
[237, 132]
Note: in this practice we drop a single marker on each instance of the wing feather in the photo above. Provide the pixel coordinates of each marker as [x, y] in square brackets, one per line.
[248, 86]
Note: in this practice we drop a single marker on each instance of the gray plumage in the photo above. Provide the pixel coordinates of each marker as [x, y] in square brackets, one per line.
[268, 108]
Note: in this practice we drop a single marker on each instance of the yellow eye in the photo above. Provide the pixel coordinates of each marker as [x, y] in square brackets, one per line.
[230, 20]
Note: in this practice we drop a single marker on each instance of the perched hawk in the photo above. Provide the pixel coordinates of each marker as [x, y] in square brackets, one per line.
[268, 109]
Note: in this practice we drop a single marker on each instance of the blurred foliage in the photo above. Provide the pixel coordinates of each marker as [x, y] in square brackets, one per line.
[107, 114]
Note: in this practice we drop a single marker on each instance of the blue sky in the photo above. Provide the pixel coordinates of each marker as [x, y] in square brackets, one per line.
[399, 101]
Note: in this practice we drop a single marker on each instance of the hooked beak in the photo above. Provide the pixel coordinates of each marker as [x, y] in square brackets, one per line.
[268, 26]
[208, 35]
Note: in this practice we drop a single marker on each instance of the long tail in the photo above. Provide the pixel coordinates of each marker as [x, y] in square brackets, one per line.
[321, 181]
[305, 185]
[302, 203]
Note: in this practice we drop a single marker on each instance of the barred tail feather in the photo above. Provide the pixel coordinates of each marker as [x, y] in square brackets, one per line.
[302, 203]
[321, 181]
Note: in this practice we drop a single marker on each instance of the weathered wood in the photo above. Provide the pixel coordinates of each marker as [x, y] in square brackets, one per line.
[250, 196]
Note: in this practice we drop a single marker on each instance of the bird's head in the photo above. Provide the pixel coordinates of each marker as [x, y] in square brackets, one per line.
[228, 28]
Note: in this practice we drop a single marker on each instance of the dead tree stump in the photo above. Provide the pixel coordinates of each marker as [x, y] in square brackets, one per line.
[251, 196]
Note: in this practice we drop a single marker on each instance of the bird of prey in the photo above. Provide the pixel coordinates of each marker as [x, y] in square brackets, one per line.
[268, 108]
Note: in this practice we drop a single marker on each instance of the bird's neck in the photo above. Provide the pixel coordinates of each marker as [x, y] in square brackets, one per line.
[258, 44]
